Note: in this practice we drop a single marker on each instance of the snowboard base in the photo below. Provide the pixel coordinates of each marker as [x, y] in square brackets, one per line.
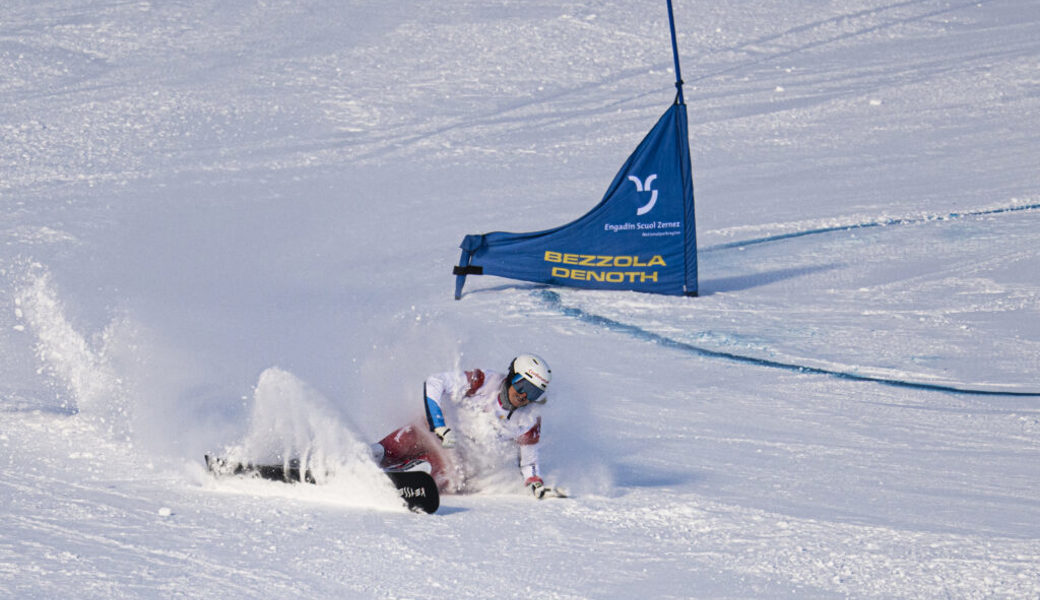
[416, 488]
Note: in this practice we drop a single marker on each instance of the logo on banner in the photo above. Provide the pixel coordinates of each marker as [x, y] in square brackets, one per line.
[644, 186]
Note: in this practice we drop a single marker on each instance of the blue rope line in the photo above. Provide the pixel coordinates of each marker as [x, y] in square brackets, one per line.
[553, 300]
[869, 224]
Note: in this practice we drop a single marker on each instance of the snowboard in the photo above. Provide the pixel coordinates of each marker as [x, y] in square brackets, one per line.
[416, 488]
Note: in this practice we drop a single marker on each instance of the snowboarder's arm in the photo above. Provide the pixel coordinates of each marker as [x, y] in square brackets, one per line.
[529, 463]
[435, 388]
[528, 443]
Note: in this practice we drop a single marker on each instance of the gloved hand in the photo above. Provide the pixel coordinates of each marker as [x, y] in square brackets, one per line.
[445, 435]
[538, 487]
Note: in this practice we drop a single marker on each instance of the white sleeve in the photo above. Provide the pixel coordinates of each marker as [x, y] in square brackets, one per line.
[529, 461]
[435, 388]
[452, 383]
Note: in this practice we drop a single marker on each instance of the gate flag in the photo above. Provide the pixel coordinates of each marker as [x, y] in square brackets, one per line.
[641, 236]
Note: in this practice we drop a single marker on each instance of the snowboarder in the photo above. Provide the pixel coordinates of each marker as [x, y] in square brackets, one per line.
[494, 413]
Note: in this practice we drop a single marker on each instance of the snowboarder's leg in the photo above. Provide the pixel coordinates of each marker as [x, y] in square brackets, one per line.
[412, 442]
[402, 444]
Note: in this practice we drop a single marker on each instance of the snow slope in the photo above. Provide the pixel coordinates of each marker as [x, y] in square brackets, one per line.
[230, 227]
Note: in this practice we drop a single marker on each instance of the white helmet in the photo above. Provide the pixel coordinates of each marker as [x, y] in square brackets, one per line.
[530, 375]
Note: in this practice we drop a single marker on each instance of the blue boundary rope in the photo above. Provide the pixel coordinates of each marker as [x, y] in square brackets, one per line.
[870, 224]
[553, 300]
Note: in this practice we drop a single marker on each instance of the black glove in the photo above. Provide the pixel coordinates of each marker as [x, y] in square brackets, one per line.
[538, 488]
[446, 436]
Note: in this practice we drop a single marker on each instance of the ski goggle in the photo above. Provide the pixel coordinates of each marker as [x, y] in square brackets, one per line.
[526, 388]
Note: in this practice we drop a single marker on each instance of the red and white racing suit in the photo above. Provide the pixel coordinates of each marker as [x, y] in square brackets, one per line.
[475, 405]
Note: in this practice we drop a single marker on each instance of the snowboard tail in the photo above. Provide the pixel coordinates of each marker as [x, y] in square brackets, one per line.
[416, 488]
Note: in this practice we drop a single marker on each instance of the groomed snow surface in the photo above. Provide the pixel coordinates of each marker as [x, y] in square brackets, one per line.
[229, 227]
